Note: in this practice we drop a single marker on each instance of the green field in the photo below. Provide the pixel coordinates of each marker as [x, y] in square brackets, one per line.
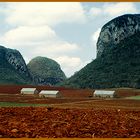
[14, 104]
[134, 97]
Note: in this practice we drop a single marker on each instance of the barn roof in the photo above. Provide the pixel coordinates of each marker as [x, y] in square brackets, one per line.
[104, 92]
[28, 89]
[49, 92]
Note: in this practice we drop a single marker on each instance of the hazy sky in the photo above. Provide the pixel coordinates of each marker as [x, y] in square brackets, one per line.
[64, 31]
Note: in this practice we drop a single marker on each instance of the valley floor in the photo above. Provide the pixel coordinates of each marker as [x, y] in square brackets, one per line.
[31, 116]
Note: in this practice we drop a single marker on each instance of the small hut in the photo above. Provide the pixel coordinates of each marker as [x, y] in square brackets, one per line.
[104, 94]
[49, 93]
[28, 91]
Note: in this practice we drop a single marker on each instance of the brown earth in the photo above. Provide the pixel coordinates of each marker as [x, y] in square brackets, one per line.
[69, 117]
[126, 92]
[36, 99]
[102, 104]
[15, 89]
[73, 102]
[67, 92]
[63, 92]
[53, 122]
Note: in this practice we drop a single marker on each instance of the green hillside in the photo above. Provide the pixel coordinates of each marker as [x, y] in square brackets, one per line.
[118, 67]
[8, 74]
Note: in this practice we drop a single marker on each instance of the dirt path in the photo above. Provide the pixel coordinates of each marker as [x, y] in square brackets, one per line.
[102, 104]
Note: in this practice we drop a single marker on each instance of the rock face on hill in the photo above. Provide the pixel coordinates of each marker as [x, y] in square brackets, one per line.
[13, 69]
[118, 57]
[40, 70]
[46, 71]
[116, 31]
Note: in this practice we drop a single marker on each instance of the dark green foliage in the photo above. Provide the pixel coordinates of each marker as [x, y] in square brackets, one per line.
[8, 75]
[118, 67]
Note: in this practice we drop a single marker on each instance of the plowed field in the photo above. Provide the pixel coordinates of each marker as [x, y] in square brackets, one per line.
[69, 117]
[53, 122]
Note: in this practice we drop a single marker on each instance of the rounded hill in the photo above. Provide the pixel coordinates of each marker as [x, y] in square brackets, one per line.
[46, 71]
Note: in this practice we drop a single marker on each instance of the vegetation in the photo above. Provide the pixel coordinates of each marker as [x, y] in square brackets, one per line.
[46, 69]
[119, 66]
[134, 97]
[40, 70]
[8, 75]
[14, 104]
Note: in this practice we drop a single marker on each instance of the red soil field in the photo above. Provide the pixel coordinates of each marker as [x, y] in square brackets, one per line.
[127, 92]
[103, 104]
[15, 89]
[35, 99]
[76, 93]
[79, 117]
[67, 92]
[63, 92]
[71, 123]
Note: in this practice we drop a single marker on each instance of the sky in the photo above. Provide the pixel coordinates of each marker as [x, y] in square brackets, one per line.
[66, 32]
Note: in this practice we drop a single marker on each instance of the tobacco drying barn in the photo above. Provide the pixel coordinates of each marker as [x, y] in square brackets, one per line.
[29, 91]
[104, 93]
[49, 93]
